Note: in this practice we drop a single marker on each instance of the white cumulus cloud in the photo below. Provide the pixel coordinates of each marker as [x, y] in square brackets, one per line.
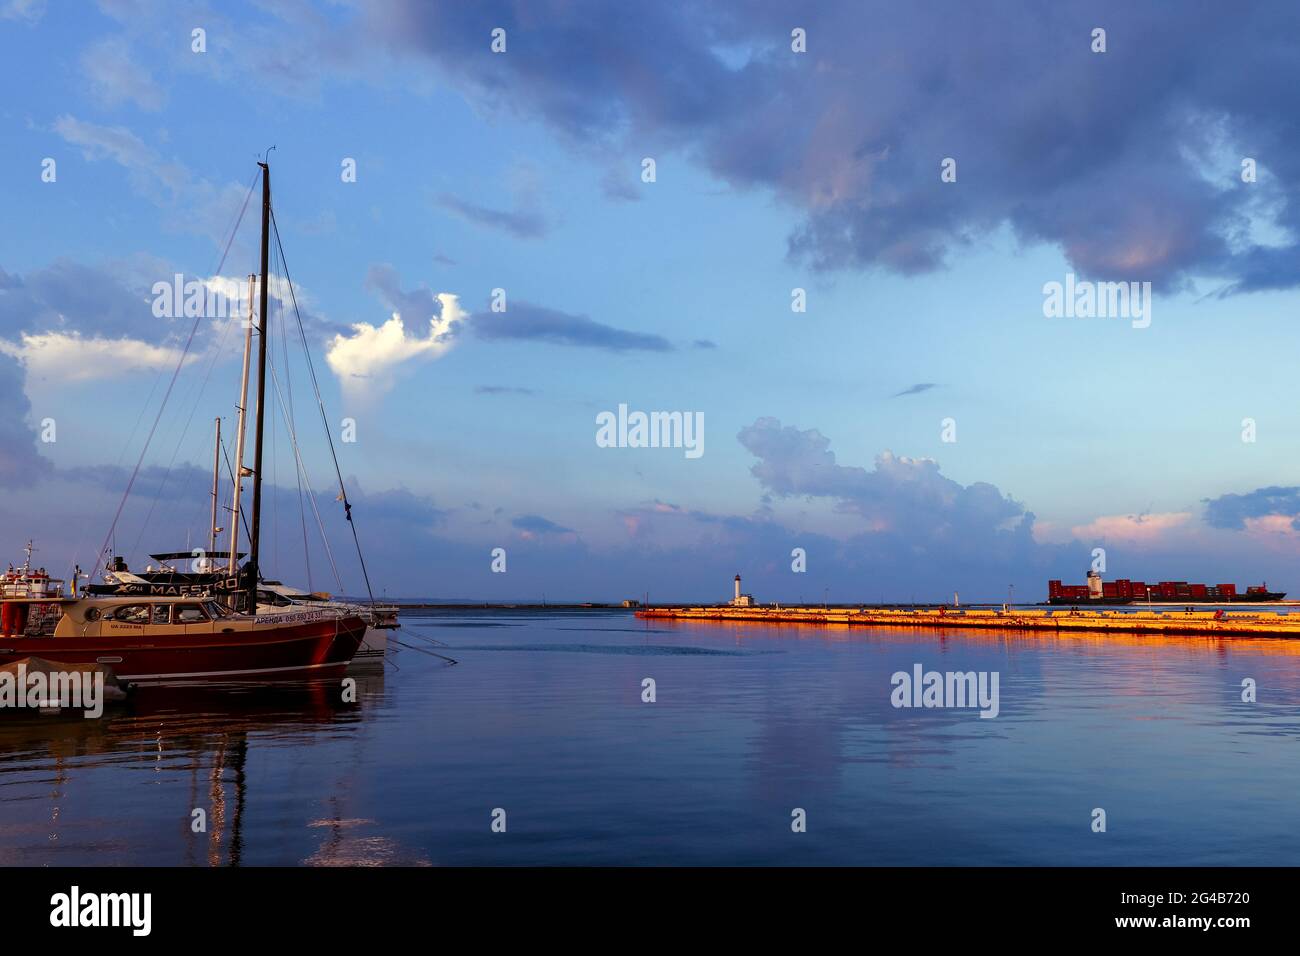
[72, 357]
[366, 360]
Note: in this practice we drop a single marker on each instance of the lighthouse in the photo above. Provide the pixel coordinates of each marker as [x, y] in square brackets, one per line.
[741, 600]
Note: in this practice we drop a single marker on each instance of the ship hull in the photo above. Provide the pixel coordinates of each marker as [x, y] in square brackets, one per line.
[196, 585]
[1261, 598]
[1081, 603]
[320, 648]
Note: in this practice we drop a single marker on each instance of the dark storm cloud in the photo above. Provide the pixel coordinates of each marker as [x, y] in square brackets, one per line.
[617, 185]
[174, 483]
[872, 565]
[915, 389]
[521, 224]
[1127, 160]
[390, 510]
[522, 321]
[417, 306]
[536, 524]
[903, 496]
[68, 296]
[502, 390]
[623, 51]
[113, 301]
[526, 322]
[20, 463]
[1231, 511]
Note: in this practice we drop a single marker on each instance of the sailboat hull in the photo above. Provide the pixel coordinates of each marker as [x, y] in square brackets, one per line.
[313, 648]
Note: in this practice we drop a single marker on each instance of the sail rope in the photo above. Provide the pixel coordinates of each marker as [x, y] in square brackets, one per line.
[230, 473]
[293, 425]
[302, 469]
[180, 363]
[194, 407]
[121, 456]
[320, 403]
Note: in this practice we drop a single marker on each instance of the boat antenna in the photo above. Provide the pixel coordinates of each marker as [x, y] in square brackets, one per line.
[254, 570]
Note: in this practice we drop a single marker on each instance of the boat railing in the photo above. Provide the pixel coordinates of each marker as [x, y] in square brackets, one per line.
[30, 587]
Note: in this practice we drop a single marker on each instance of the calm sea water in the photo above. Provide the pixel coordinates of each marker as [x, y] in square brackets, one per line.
[543, 717]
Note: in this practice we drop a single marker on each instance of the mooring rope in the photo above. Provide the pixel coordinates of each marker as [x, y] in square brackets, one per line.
[421, 650]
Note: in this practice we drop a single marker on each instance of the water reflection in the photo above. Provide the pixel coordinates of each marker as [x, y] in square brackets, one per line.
[544, 716]
[346, 842]
[739, 632]
[199, 733]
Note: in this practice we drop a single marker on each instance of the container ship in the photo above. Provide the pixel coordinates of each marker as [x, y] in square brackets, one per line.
[1124, 591]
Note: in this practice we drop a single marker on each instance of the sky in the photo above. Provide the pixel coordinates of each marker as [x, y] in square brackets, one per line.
[826, 231]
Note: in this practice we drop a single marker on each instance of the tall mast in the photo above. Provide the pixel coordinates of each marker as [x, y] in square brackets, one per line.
[216, 490]
[256, 530]
[232, 564]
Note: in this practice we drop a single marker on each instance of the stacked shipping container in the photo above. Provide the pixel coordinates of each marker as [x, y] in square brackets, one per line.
[1122, 589]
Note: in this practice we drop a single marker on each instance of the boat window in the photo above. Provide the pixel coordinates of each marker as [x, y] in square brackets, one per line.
[162, 614]
[92, 614]
[215, 610]
[132, 614]
[190, 614]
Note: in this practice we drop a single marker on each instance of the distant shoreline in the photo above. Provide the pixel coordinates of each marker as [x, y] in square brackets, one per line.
[407, 605]
[403, 605]
[502, 606]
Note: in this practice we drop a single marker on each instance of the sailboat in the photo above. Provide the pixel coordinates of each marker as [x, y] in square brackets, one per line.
[196, 632]
[213, 572]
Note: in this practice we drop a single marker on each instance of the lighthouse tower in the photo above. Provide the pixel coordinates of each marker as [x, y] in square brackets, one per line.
[741, 600]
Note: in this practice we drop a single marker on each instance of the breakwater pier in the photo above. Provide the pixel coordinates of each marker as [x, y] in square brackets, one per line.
[1164, 621]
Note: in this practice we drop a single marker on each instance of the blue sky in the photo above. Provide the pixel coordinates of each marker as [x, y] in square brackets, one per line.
[774, 170]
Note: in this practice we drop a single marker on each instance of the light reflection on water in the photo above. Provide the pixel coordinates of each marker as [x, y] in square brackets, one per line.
[543, 717]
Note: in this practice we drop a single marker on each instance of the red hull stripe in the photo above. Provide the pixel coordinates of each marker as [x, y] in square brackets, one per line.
[315, 646]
